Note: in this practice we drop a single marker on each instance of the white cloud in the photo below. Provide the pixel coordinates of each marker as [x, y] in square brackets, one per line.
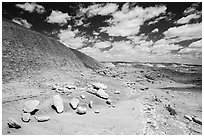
[22, 22]
[69, 38]
[155, 30]
[157, 20]
[185, 32]
[99, 9]
[31, 7]
[58, 17]
[186, 19]
[192, 9]
[101, 45]
[193, 48]
[127, 23]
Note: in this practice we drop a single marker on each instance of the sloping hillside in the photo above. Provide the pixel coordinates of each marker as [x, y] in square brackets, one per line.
[25, 51]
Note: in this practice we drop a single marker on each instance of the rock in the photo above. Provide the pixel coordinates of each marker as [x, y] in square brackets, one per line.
[117, 92]
[83, 96]
[81, 110]
[143, 87]
[90, 90]
[55, 86]
[91, 104]
[12, 123]
[188, 117]
[118, 98]
[197, 120]
[31, 105]
[70, 86]
[101, 93]
[113, 106]
[108, 101]
[25, 117]
[42, 118]
[58, 103]
[74, 103]
[97, 111]
[99, 86]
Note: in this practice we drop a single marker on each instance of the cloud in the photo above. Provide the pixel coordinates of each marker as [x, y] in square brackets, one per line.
[58, 17]
[192, 9]
[184, 32]
[162, 47]
[99, 9]
[155, 30]
[101, 45]
[22, 22]
[31, 7]
[128, 22]
[194, 48]
[157, 20]
[186, 19]
[69, 38]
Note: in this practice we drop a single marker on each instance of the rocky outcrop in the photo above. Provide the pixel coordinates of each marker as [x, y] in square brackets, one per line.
[102, 94]
[30, 105]
[12, 123]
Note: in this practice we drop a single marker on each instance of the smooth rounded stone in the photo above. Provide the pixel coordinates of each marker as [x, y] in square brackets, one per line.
[91, 104]
[12, 123]
[42, 118]
[101, 93]
[83, 96]
[58, 103]
[99, 85]
[74, 103]
[25, 117]
[108, 101]
[97, 111]
[81, 110]
[116, 92]
[197, 120]
[188, 117]
[30, 105]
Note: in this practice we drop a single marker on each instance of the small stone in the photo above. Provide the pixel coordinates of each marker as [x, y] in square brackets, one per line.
[74, 103]
[91, 104]
[26, 117]
[117, 92]
[31, 105]
[101, 93]
[83, 96]
[188, 117]
[108, 101]
[113, 106]
[58, 103]
[42, 118]
[118, 98]
[99, 86]
[197, 120]
[81, 110]
[97, 111]
[12, 123]
[70, 86]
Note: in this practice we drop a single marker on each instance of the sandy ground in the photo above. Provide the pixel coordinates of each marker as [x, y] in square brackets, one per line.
[136, 111]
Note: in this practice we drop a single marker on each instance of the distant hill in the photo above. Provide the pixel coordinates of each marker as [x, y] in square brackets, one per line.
[24, 51]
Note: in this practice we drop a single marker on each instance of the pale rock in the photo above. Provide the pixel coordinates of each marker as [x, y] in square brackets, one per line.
[108, 101]
[101, 93]
[117, 92]
[31, 105]
[91, 104]
[97, 111]
[197, 120]
[188, 117]
[58, 103]
[83, 96]
[70, 86]
[81, 110]
[74, 103]
[99, 86]
[25, 117]
[42, 118]
[12, 123]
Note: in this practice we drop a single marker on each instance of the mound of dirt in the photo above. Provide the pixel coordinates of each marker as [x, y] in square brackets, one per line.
[25, 51]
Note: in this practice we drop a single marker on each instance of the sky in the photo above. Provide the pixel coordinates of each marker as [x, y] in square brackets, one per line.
[118, 31]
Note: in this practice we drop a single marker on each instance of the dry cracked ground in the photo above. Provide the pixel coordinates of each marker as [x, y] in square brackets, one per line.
[139, 100]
